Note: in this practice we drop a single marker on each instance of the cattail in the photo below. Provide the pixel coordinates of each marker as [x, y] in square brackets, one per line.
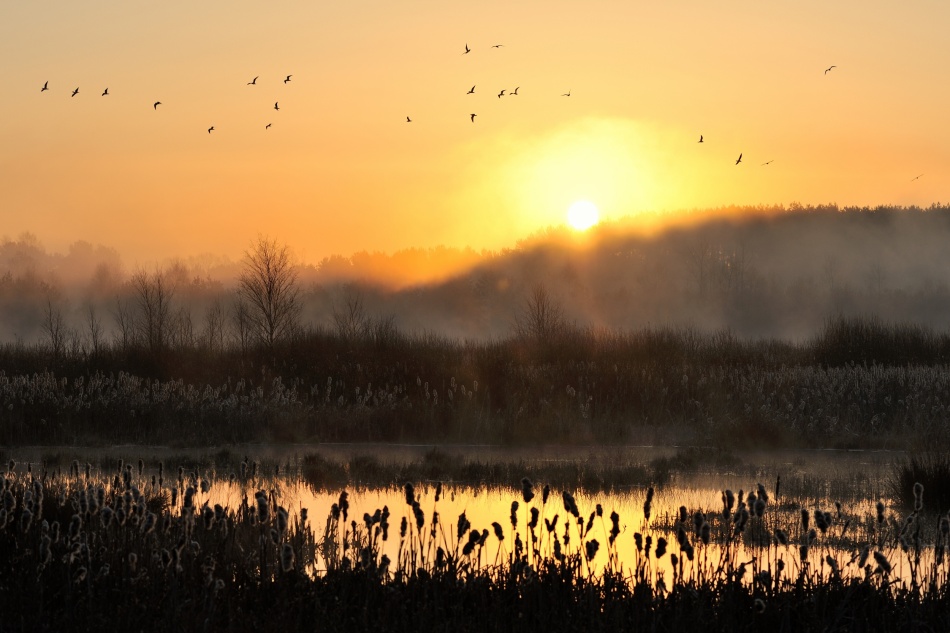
[683, 514]
[569, 504]
[728, 502]
[545, 492]
[698, 519]
[133, 561]
[863, 556]
[438, 491]
[660, 547]
[263, 509]
[148, 525]
[648, 503]
[75, 525]
[592, 546]
[498, 533]
[763, 494]
[614, 526]
[282, 520]
[527, 490]
[45, 554]
[804, 520]
[287, 557]
[514, 514]
[918, 496]
[781, 536]
[821, 521]
[638, 539]
[883, 565]
[704, 533]
[26, 518]
[535, 514]
[880, 512]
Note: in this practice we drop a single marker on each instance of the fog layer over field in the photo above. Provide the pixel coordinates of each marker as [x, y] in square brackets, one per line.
[776, 272]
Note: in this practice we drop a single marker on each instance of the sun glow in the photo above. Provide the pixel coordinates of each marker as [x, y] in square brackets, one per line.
[582, 215]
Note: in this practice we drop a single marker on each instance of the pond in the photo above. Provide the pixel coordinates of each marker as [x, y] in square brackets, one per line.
[766, 519]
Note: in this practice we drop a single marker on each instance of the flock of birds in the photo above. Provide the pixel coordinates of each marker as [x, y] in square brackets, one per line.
[105, 93]
[468, 50]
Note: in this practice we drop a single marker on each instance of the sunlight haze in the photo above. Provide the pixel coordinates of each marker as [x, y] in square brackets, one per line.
[341, 169]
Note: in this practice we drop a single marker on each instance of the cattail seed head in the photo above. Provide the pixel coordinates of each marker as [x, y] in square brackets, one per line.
[287, 557]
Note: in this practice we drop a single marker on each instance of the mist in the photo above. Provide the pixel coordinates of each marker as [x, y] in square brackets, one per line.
[756, 271]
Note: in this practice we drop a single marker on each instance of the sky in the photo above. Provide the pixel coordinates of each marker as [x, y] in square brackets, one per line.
[340, 169]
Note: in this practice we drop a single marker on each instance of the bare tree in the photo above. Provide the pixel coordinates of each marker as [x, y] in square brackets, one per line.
[241, 324]
[268, 284]
[214, 327]
[541, 317]
[153, 322]
[94, 325]
[125, 323]
[54, 329]
[352, 322]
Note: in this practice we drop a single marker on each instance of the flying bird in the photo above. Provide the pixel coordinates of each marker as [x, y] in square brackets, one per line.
[75, 92]
[768, 162]
[275, 105]
[829, 68]
[473, 117]
[514, 92]
[566, 94]
[408, 120]
[915, 178]
[210, 129]
[739, 160]
[156, 104]
[267, 126]
[471, 92]
[501, 94]
[497, 45]
[45, 87]
[700, 138]
[105, 93]
[467, 50]
[288, 78]
[253, 82]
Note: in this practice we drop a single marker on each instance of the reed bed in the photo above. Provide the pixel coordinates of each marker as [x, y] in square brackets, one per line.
[849, 387]
[142, 547]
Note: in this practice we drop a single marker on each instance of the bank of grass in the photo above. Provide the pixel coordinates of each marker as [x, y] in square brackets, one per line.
[858, 383]
[124, 551]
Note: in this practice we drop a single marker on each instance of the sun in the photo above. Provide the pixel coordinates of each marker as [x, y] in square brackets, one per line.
[582, 215]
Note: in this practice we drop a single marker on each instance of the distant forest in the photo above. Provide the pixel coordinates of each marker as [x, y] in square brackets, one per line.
[758, 272]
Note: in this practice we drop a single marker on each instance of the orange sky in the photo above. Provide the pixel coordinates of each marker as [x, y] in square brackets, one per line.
[341, 170]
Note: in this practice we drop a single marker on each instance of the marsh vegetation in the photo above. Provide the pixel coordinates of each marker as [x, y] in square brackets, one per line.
[232, 547]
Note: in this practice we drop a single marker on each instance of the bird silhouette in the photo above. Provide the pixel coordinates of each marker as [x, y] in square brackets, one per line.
[473, 117]
[45, 87]
[739, 160]
[210, 129]
[514, 92]
[471, 92]
[501, 94]
[829, 68]
[156, 104]
[915, 178]
[467, 50]
[497, 45]
[288, 78]
[408, 120]
[768, 162]
[105, 93]
[253, 82]
[276, 107]
[75, 92]
[700, 138]
[267, 126]
[566, 94]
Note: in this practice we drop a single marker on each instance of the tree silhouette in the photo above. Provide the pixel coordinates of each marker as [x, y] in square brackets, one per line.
[268, 285]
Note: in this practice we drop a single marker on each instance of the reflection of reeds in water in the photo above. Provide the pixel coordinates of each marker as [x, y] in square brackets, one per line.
[203, 564]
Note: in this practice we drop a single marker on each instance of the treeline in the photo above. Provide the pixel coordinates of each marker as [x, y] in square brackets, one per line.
[758, 272]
